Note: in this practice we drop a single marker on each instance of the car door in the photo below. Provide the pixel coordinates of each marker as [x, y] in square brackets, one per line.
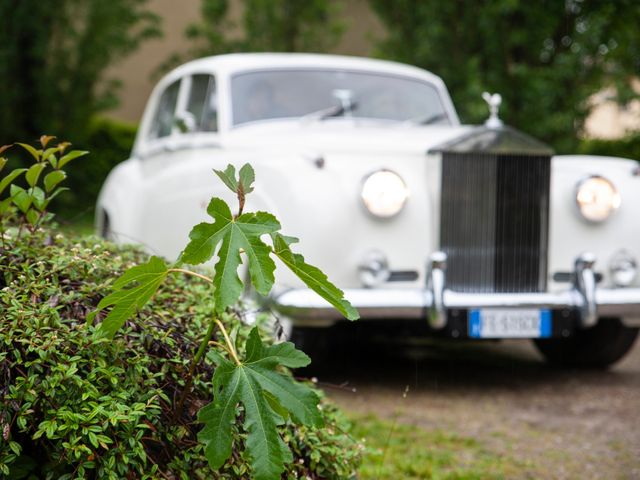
[183, 137]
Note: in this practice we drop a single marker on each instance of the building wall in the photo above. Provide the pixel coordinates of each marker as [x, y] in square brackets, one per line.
[609, 120]
[137, 71]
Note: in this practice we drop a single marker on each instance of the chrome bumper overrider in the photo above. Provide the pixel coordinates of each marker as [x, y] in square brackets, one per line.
[434, 301]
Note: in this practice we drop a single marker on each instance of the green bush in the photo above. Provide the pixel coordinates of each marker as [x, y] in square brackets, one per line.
[626, 147]
[110, 142]
[77, 401]
[75, 406]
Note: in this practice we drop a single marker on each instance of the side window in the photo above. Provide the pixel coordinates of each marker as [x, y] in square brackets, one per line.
[164, 117]
[202, 104]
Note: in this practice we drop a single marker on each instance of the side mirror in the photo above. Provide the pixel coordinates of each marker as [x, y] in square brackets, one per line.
[186, 122]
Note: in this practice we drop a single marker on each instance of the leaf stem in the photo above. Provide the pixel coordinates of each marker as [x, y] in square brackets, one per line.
[232, 349]
[192, 368]
[220, 345]
[189, 272]
[241, 199]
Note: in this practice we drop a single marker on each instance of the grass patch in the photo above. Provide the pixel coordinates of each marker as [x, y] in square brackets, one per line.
[409, 452]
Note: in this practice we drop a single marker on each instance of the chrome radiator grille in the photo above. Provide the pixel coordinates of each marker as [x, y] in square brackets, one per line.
[494, 221]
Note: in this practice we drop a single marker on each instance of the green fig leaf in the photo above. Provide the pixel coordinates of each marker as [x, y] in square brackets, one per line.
[228, 177]
[267, 396]
[131, 292]
[312, 276]
[233, 235]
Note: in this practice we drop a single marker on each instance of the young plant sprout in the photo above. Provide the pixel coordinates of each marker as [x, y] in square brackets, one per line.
[250, 376]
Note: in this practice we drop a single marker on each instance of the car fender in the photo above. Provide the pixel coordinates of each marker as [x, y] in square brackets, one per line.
[571, 234]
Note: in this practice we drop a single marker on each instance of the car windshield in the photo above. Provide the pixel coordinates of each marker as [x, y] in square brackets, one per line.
[273, 94]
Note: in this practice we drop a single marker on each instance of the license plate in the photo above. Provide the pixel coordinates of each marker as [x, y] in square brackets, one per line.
[505, 323]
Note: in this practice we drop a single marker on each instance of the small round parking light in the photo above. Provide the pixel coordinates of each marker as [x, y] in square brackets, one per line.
[623, 268]
[384, 193]
[597, 198]
[374, 269]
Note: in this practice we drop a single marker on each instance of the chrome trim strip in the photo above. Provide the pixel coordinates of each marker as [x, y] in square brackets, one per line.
[301, 304]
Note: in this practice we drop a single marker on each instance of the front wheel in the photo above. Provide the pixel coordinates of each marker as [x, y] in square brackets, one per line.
[596, 347]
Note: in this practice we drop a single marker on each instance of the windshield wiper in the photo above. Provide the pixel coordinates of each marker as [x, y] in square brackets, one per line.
[331, 112]
[323, 114]
[346, 106]
[426, 120]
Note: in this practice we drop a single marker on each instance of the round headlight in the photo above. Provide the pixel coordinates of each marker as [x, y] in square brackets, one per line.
[597, 198]
[384, 193]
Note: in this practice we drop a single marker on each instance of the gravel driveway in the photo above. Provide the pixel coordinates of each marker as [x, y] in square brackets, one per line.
[558, 424]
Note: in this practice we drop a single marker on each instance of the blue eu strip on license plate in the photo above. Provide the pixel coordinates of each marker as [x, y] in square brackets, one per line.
[509, 323]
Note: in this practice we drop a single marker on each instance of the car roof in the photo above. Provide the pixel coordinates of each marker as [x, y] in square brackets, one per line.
[238, 62]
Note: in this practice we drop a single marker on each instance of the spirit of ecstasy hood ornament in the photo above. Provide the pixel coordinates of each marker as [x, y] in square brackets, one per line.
[494, 101]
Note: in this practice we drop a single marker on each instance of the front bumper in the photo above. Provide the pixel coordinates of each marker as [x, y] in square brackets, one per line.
[584, 301]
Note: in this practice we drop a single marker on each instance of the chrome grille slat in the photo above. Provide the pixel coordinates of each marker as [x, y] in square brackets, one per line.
[494, 221]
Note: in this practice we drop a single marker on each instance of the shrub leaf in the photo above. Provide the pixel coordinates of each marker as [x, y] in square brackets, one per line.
[33, 173]
[71, 156]
[10, 177]
[53, 178]
[34, 153]
[20, 198]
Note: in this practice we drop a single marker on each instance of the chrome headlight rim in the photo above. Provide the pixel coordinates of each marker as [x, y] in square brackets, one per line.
[581, 205]
[384, 212]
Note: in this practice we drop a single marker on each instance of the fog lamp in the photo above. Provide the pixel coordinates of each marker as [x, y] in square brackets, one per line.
[374, 269]
[623, 268]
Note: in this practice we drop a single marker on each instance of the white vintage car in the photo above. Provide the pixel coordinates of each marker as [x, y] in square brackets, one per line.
[467, 231]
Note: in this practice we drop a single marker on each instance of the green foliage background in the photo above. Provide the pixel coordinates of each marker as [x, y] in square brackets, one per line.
[265, 26]
[269, 26]
[546, 57]
[626, 147]
[53, 62]
[54, 58]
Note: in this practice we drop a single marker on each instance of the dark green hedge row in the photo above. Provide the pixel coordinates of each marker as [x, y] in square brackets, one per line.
[626, 147]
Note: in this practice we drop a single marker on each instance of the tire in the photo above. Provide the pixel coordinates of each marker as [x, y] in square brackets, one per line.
[312, 341]
[330, 347]
[596, 347]
[105, 231]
